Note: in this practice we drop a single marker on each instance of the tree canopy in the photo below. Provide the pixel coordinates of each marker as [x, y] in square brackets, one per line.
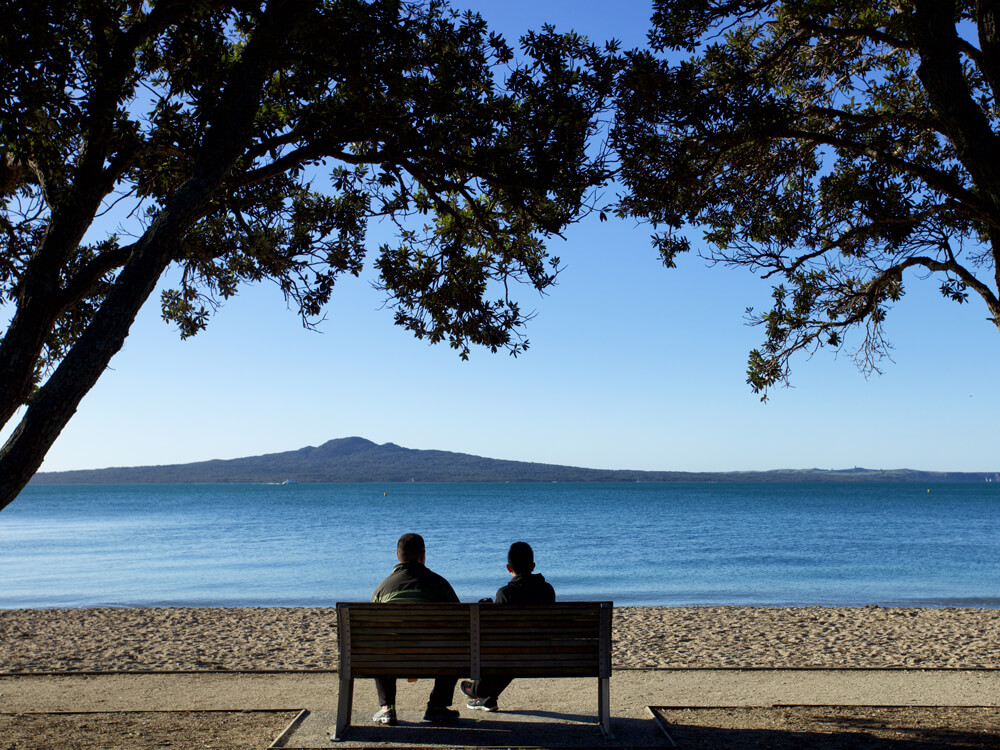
[254, 141]
[830, 145]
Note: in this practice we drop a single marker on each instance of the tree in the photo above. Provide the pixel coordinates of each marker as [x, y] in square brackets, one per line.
[831, 145]
[255, 141]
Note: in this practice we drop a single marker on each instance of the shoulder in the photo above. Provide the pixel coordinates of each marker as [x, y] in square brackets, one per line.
[546, 593]
[385, 586]
[439, 582]
[503, 595]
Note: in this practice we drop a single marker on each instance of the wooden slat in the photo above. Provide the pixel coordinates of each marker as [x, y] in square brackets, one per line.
[519, 659]
[494, 623]
[527, 633]
[429, 655]
[533, 671]
[572, 645]
[401, 663]
[403, 624]
[415, 670]
[370, 621]
[416, 634]
[498, 651]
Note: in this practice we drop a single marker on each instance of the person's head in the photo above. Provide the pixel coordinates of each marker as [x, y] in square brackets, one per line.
[410, 548]
[520, 559]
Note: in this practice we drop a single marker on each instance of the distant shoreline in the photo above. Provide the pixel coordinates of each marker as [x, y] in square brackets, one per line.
[967, 603]
[907, 476]
[357, 460]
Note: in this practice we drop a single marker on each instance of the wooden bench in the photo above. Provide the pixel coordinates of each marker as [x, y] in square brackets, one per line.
[566, 639]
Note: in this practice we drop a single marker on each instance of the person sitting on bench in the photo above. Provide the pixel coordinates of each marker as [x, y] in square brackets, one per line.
[525, 587]
[411, 581]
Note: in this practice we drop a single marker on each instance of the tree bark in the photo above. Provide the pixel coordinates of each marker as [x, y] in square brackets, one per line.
[940, 72]
[988, 22]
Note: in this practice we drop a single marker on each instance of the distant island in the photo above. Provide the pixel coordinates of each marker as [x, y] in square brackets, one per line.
[355, 459]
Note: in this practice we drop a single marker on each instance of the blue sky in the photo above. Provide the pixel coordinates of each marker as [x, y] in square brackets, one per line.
[631, 365]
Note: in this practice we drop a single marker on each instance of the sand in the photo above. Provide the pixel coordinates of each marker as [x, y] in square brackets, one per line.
[178, 678]
[182, 639]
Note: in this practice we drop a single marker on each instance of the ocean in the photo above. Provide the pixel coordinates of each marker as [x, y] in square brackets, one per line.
[783, 544]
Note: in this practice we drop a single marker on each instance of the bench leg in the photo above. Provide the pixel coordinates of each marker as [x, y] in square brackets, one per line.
[345, 700]
[604, 706]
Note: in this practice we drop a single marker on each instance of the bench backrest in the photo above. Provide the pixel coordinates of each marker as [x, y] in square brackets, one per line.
[566, 639]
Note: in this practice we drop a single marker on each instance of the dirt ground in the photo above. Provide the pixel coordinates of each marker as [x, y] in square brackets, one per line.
[832, 727]
[745, 728]
[233, 730]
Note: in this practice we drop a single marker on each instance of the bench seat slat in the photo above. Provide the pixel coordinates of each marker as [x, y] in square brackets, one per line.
[381, 622]
[510, 660]
[412, 659]
[415, 669]
[534, 643]
[492, 623]
[411, 647]
[536, 652]
[510, 634]
[402, 622]
[414, 634]
[402, 613]
[537, 671]
[498, 614]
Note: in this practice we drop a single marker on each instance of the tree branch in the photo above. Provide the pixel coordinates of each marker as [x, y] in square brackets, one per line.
[988, 59]
[822, 30]
[932, 177]
[871, 121]
[83, 280]
[940, 71]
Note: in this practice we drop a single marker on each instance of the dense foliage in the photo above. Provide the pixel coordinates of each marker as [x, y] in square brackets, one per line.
[255, 141]
[832, 145]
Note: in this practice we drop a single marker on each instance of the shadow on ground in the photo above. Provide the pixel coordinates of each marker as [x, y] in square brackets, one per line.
[831, 727]
[502, 729]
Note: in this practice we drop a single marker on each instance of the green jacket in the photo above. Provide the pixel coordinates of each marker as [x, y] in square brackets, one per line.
[413, 582]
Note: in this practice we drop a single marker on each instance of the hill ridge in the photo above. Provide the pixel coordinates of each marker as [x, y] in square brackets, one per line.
[357, 459]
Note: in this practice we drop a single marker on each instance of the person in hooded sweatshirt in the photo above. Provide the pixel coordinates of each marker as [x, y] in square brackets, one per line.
[525, 587]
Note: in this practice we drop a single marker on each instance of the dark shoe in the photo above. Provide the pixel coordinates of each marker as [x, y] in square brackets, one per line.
[483, 704]
[469, 688]
[385, 715]
[440, 715]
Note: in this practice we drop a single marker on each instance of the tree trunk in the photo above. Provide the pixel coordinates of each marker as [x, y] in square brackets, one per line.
[58, 399]
[225, 141]
[41, 300]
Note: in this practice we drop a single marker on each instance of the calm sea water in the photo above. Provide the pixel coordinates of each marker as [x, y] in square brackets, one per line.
[651, 544]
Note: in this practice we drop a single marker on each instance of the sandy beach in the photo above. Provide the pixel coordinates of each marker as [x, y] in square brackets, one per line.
[191, 677]
[181, 639]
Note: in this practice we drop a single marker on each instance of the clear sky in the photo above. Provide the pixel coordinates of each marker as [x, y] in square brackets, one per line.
[631, 366]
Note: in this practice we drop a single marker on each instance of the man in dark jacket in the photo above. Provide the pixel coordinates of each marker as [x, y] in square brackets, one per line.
[525, 587]
[411, 581]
